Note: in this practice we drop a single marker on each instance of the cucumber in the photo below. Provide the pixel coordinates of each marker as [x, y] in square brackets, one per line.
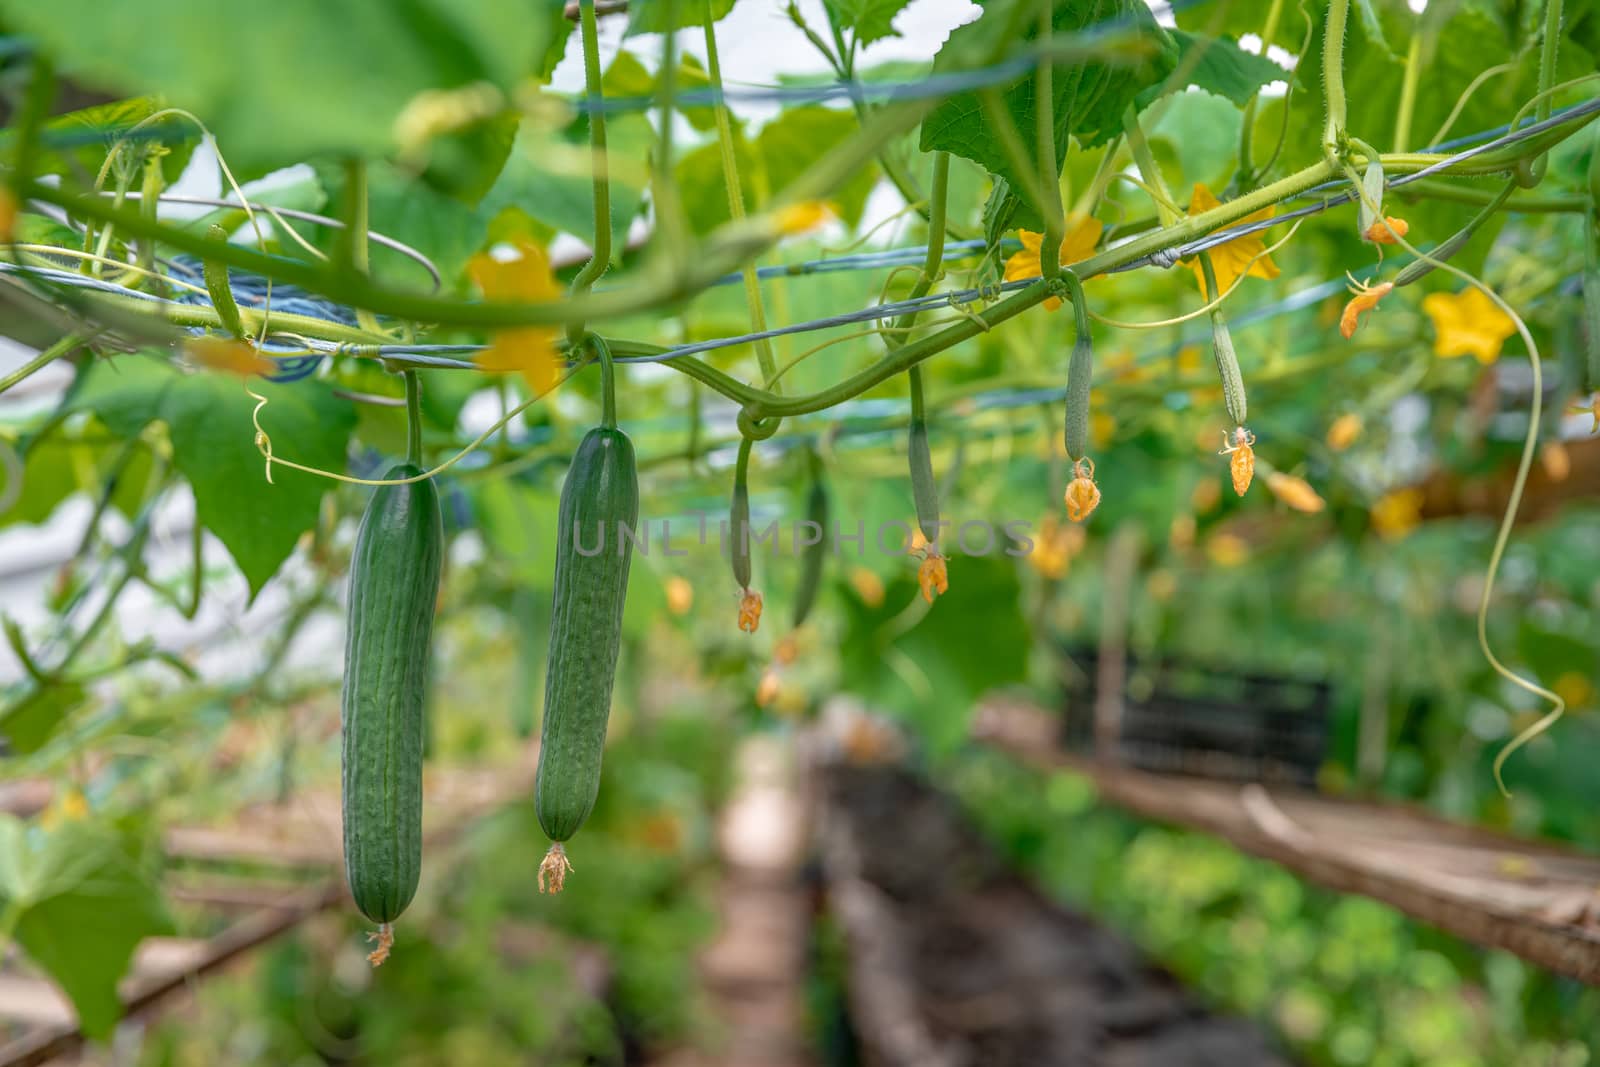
[814, 556]
[601, 494]
[394, 584]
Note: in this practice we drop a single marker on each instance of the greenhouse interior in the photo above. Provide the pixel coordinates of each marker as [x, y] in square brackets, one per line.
[800, 533]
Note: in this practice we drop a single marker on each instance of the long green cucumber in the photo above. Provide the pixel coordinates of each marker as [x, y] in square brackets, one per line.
[394, 584]
[600, 498]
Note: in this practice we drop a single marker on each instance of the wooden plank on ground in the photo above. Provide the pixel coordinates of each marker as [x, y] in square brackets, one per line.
[1535, 900]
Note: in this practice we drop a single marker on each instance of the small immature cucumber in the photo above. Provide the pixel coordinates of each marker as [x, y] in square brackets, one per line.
[739, 517]
[815, 555]
[1080, 373]
[601, 496]
[924, 490]
[394, 583]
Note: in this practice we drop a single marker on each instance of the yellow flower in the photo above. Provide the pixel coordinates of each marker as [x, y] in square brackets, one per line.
[786, 651]
[1343, 431]
[1083, 233]
[1227, 550]
[767, 690]
[1397, 513]
[1574, 688]
[230, 356]
[1468, 324]
[1296, 492]
[680, 595]
[1235, 257]
[521, 277]
[1556, 461]
[1206, 495]
[805, 216]
[1188, 359]
[868, 586]
[1101, 427]
[1241, 458]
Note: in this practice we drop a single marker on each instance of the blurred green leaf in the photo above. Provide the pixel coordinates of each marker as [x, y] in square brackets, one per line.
[82, 899]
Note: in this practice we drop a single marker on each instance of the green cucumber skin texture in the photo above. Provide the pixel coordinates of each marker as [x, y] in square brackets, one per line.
[815, 555]
[601, 492]
[394, 585]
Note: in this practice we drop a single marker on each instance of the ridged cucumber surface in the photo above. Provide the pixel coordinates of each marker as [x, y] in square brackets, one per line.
[394, 584]
[591, 584]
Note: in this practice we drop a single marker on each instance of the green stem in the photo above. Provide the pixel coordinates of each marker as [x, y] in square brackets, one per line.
[1333, 131]
[64, 347]
[664, 185]
[149, 202]
[413, 419]
[730, 177]
[608, 391]
[1045, 127]
[1429, 189]
[1149, 170]
[1548, 48]
[600, 257]
[1408, 89]
[662, 287]
[934, 261]
[351, 250]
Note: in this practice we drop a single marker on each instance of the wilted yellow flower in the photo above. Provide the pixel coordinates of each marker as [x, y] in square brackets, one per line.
[1180, 534]
[520, 275]
[1343, 431]
[749, 611]
[1207, 495]
[1233, 258]
[786, 651]
[1363, 299]
[1388, 231]
[680, 595]
[1398, 513]
[1077, 245]
[1083, 495]
[800, 218]
[1227, 550]
[1241, 458]
[1296, 492]
[1468, 323]
[932, 576]
[868, 586]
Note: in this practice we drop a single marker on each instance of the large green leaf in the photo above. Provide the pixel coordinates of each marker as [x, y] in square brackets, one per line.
[287, 80]
[77, 143]
[1219, 66]
[548, 176]
[652, 16]
[872, 20]
[83, 899]
[209, 419]
[1088, 99]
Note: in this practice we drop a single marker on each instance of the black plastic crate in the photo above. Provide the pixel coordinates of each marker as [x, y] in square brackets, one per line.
[1191, 719]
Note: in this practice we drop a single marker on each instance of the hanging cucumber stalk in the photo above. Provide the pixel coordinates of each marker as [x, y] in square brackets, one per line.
[394, 584]
[813, 556]
[739, 552]
[599, 499]
[932, 575]
[1083, 495]
[1239, 445]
